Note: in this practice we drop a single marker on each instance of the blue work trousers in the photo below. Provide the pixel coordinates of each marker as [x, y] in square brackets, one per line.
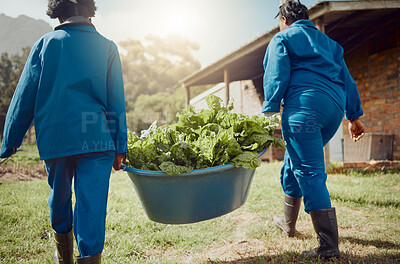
[308, 123]
[91, 174]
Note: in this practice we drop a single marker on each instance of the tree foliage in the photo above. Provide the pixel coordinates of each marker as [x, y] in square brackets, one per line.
[10, 71]
[157, 66]
[152, 71]
[161, 106]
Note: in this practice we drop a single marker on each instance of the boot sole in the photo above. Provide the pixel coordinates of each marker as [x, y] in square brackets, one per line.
[315, 255]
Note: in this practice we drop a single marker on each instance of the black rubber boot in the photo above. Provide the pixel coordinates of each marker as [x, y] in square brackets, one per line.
[287, 222]
[325, 225]
[95, 259]
[65, 248]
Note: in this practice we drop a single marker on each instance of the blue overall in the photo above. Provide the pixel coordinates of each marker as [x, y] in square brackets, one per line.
[91, 174]
[306, 71]
[72, 88]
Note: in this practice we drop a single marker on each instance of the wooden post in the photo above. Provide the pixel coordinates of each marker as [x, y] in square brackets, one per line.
[319, 23]
[327, 157]
[187, 94]
[226, 80]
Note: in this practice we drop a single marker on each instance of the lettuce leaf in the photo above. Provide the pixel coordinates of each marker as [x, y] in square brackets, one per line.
[202, 139]
[173, 169]
[247, 159]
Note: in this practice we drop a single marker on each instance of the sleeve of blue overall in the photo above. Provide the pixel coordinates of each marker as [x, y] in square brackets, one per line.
[116, 102]
[276, 76]
[20, 112]
[353, 103]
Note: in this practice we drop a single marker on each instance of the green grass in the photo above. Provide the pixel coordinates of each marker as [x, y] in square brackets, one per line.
[27, 154]
[367, 207]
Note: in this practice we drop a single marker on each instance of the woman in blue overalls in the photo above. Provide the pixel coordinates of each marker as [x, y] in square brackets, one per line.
[305, 69]
[72, 88]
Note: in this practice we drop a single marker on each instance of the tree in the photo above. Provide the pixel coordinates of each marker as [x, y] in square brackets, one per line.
[152, 75]
[157, 67]
[5, 72]
[161, 106]
[10, 72]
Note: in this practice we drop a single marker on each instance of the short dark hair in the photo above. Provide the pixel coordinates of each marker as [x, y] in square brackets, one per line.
[68, 8]
[293, 10]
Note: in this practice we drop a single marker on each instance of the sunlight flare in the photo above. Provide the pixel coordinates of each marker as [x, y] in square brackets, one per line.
[176, 20]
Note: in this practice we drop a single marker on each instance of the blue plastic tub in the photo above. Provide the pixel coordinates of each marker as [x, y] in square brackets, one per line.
[191, 197]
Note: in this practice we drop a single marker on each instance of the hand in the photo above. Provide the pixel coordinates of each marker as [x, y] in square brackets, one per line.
[268, 114]
[119, 159]
[271, 114]
[13, 151]
[356, 129]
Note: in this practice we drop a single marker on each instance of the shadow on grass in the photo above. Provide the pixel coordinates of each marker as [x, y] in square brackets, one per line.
[296, 258]
[363, 201]
[288, 257]
[346, 257]
[375, 243]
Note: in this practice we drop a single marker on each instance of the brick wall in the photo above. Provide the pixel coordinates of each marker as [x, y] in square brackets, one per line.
[377, 74]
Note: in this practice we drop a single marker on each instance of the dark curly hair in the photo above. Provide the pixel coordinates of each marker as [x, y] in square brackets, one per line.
[293, 10]
[67, 8]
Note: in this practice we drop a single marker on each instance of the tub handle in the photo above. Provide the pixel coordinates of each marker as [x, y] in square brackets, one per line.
[123, 167]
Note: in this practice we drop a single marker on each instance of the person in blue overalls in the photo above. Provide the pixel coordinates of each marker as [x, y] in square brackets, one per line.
[72, 88]
[305, 69]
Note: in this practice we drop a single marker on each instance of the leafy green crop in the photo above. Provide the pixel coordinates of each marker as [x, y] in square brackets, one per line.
[203, 139]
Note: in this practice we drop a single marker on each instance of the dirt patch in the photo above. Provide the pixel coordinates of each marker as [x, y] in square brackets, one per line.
[12, 172]
[233, 252]
[236, 250]
[240, 246]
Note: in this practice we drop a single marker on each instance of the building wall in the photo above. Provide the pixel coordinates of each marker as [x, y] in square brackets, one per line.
[251, 102]
[376, 70]
[244, 94]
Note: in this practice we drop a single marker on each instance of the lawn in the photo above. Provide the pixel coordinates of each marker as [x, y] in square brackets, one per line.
[25, 165]
[27, 155]
[368, 209]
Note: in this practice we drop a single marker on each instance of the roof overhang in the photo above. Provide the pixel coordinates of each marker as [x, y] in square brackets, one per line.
[341, 19]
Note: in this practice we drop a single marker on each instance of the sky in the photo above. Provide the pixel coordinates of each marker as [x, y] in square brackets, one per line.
[219, 27]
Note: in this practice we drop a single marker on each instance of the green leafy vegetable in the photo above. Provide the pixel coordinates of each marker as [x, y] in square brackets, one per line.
[203, 139]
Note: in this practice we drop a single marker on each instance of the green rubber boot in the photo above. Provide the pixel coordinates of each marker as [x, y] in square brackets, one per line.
[287, 222]
[65, 248]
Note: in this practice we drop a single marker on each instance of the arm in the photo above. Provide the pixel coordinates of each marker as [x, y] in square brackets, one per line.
[116, 106]
[20, 112]
[353, 108]
[276, 76]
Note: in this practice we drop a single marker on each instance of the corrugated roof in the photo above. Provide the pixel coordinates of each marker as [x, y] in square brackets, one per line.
[345, 21]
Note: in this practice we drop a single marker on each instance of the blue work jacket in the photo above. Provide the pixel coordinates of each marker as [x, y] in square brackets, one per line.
[302, 60]
[72, 88]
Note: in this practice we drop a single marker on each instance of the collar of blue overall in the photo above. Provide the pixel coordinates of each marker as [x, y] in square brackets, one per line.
[75, 21]
[303, 23]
